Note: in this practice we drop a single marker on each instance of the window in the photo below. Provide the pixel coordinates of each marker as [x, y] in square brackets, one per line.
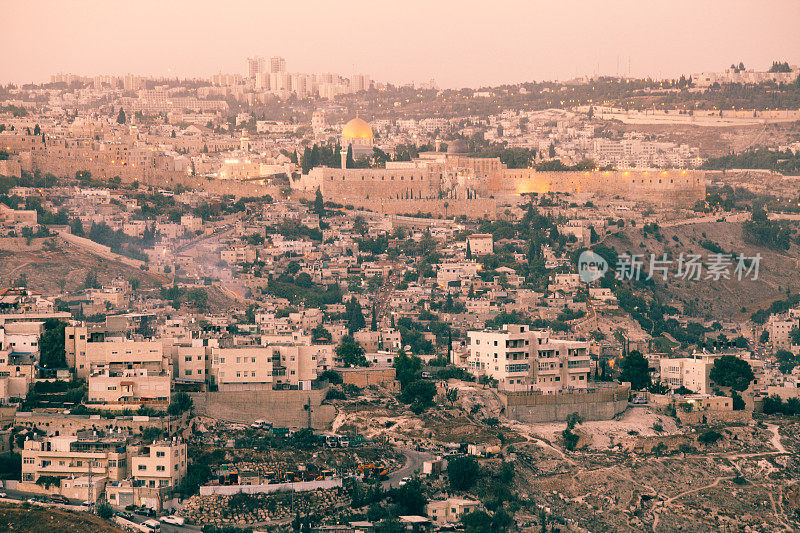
[142, 468]
[160, 468]
[159, 454]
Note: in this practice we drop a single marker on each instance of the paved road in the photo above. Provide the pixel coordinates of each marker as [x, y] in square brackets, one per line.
[414, 460]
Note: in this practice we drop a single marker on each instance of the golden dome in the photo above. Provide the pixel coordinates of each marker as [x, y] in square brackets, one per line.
[357, 129]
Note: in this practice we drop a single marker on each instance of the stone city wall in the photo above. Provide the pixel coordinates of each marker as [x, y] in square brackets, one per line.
[676, 188]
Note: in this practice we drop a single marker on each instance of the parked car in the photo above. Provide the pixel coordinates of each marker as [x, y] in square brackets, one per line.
[152, 525]
[57, 498]
[172, 519]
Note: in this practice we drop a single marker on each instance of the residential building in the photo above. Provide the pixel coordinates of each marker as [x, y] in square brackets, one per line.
[523, 359]
[451, 510]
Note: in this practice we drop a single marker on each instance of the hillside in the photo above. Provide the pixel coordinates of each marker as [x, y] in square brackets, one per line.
[723, 298]
[34, 518]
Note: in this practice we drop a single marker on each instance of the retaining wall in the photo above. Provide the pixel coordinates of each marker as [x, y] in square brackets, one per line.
[283, 408]
[298, 486]
[533, 407]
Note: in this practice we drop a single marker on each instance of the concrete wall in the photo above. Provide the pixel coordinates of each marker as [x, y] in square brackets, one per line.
[284, 408]
[533, 407]
[275, 487]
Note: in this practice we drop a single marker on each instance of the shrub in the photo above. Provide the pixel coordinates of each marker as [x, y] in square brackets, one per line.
[570, 439]
[463, 473]
[105, 511]
[709, 437]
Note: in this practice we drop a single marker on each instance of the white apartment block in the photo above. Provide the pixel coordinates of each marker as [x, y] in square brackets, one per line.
[283, 366]
[238, 254]
[193, 363]
[241, 369]
[75, 455]
[450, 272]
[480, 244]
[113, 354]
[159, 465]
[521, 359]
[690, 372]
[780, 326]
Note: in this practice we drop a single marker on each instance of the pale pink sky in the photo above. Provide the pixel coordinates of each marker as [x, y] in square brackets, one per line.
[456, 42]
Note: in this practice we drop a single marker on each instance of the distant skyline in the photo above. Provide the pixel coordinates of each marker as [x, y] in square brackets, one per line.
[457, 43]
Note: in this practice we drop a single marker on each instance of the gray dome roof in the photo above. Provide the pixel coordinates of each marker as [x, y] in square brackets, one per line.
[457, 146]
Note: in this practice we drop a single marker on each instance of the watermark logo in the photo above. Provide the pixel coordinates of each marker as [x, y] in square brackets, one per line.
[689, 267]
[591, 266]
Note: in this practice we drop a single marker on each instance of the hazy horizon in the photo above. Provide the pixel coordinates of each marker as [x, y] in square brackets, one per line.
[458, 44]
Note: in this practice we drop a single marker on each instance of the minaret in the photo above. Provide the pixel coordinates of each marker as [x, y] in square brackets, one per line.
[343, 154]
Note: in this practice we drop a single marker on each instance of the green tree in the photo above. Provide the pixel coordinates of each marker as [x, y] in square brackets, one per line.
[121, 118]
[319, 204]
[360, 226]
[407, 368]
[451, 395]
[786, 361]
[331, 376]
[477, 522]
[410, 499]
[709, 437]
[730, 371]
[320, 334]
[738, 402]
[635, 370]
[351, 353]
[181, 402]
[419, 394]
[90, 281]
[354, 315]
[197, 297]
[51, 344]
[463, 473]
[570, 439]
[574, 419]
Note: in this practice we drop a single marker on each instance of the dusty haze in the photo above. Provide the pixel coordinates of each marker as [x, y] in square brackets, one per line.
[458, 43]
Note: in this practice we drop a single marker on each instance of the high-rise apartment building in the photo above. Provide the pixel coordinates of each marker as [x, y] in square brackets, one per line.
[277, 64]
[255, 66]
